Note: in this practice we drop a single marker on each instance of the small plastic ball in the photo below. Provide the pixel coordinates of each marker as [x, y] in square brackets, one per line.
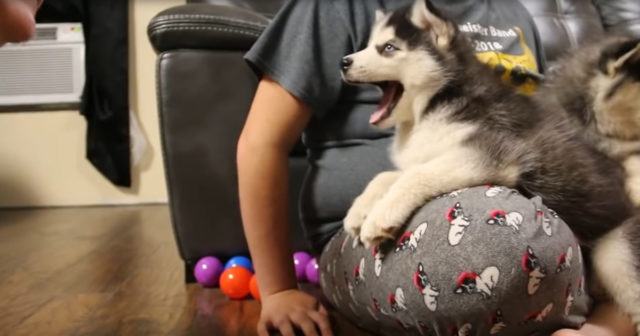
[313, 271]
[240, 261]
[253, 287]
[234, 282]
[207, 271]
[300, 261]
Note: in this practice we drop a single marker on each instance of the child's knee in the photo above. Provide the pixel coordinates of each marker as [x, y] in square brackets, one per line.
[475, 255]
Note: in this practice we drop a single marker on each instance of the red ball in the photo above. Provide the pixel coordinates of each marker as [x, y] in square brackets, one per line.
[253, 287]
[234, 282]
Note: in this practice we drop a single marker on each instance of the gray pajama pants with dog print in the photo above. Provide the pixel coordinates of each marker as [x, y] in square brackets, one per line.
[479, 261]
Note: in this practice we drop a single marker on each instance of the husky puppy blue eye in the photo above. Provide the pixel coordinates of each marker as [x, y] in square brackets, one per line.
[390, 47]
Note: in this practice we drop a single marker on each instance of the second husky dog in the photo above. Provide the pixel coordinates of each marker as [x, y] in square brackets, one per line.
[600, 87]
[458, 125]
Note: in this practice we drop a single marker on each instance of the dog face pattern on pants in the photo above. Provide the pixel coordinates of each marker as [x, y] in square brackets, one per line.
[564, 260]
[377, 260]
[409, 240]
[396, 300]
[358, 273]
[474, 283]
[459, 223]
[544, 222]
[569, 298]
[536, 270]
[493, 191]
[429, 291]
[501, 218]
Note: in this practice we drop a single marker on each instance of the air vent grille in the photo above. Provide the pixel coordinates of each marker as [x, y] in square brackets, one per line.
[36, 71]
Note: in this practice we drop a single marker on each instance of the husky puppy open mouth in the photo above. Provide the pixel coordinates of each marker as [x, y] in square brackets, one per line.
[458, 125]
[392, 92]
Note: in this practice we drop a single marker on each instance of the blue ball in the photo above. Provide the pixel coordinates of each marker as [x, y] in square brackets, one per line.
[239, 261]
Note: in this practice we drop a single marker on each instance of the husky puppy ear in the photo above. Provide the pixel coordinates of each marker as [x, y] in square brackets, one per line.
[379, 15]
[626, 54]
[425, 16]
[630, 57]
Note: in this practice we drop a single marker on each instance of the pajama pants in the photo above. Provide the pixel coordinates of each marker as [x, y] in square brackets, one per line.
[479, 261]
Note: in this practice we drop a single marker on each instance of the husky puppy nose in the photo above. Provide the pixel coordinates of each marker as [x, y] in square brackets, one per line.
[346, 63]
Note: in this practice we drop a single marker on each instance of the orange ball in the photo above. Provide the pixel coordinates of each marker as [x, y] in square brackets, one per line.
[253, 287]
[234, 282]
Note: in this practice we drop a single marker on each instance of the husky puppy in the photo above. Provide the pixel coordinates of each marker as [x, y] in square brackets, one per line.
[458, 125]
[599, 86]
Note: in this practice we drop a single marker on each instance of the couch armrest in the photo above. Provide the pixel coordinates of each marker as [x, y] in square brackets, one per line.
[204, 26]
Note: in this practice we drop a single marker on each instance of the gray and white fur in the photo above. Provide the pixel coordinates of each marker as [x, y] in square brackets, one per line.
[599, 87]
[458, 125]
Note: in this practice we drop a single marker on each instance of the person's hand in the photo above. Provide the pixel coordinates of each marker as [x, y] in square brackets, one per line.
[291, 309]
[17, 20]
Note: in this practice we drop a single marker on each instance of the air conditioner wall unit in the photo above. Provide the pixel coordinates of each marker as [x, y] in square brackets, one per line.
[47, 70]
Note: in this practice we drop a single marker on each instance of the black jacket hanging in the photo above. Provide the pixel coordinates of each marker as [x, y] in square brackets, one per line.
[105, 99]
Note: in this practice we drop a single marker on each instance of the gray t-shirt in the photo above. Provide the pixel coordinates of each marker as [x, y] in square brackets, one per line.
[301, 50]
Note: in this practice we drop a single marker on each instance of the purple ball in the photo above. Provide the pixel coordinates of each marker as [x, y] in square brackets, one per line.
[207, 271]
[313, 271]
[300, 261]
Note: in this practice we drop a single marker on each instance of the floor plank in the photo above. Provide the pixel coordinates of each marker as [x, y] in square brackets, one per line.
[107, 271]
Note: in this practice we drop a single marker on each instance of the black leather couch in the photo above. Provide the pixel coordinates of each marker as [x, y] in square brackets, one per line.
[205, 88]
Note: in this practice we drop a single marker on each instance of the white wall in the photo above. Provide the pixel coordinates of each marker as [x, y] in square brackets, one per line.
[42, 154]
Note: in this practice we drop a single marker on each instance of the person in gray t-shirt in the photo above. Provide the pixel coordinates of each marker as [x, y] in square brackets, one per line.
[496, 280]
[300, 49]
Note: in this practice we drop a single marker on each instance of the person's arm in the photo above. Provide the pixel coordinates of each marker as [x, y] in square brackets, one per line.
[276, 120]
[17, 20]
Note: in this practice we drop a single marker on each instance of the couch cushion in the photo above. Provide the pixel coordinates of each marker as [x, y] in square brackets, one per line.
[620, 16]
[564, 24]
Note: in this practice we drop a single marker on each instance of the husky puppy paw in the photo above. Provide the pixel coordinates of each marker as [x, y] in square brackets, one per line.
[382, 223]
[364, 203]
[356, 217]
[372, 234]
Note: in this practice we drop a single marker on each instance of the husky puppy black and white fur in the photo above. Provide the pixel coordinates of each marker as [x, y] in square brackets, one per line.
[458, 125]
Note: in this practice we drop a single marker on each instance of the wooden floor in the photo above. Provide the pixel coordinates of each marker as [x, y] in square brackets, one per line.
[107, 271]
